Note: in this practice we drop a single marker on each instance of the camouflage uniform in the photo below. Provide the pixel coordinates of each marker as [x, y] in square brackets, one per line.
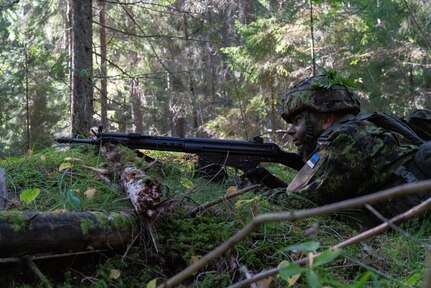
[353, 157]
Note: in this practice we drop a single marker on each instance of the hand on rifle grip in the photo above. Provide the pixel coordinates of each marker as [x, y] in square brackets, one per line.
[262, 176]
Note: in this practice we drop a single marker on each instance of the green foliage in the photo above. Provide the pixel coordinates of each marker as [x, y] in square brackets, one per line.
[288, 270]
[29, 195]
[331, 77]
[310, 246]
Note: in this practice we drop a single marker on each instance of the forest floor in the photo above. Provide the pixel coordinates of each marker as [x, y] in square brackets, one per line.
[58, 179]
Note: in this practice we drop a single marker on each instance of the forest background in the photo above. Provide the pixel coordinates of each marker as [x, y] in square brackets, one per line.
[208, 68]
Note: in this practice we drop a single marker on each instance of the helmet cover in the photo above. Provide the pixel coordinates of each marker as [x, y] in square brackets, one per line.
[324, 93]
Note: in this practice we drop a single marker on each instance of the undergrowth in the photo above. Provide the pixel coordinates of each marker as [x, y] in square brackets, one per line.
[177, 239]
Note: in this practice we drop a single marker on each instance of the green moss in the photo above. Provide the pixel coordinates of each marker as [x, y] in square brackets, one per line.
[121, 221]
[16, 220]
[106, 221]
[86, 226]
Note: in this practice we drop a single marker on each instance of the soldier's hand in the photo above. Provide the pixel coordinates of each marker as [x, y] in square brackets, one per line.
[262, 176]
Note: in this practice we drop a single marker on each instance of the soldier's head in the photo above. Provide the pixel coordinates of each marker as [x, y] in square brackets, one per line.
[314, 105]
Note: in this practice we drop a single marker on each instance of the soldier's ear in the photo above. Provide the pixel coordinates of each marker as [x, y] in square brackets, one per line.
[328, 120]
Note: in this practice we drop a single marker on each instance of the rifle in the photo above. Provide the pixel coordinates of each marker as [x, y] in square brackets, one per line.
[243, 155]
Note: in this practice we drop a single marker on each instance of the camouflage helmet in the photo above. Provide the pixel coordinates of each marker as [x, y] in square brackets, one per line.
[323, 93]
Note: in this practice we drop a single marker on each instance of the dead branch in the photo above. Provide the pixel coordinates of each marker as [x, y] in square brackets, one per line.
[292, 216]
[97, 170]
[150, 165]
[222, 199]
[33, 267]
[349, 242]
[49, 256]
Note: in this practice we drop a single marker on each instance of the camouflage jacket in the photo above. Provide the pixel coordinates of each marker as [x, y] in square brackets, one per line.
[351, 159]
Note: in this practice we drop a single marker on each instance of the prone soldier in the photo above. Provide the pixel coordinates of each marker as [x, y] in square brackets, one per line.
[346, 155]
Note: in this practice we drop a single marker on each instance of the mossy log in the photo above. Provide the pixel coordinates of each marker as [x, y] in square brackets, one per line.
[23, 233]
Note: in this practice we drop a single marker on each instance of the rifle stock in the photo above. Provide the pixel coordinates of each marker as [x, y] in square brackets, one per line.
[242, 155]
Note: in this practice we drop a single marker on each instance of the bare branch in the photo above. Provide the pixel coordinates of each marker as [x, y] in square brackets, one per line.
[223, 198]
[351, 241]
[149, 36]
[33, 267]
[292, 216]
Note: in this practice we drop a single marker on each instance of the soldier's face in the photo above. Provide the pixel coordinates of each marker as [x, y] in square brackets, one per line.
[298, 131]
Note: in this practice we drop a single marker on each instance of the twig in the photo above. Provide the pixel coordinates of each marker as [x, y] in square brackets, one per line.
[33, 267]
[151, 164]
[292, 216]
[386, 220]
[97, 170]
[44, 257]
[356, 239]
[130, 245]
[427, 279]
[223, 198]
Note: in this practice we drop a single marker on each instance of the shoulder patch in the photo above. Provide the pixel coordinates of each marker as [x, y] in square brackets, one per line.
[313, 161]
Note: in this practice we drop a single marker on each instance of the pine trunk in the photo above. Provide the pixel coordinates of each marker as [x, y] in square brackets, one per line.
[82, 66]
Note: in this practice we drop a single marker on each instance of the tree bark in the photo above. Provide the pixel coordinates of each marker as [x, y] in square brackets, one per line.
[313, 55]
[103, 65]
[27, 98]
[23, 232]
[136, 105]
[273, 114]
[3, 191]
[82, 65]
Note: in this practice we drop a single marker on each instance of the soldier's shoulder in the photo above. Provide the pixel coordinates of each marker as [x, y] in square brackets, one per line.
[353, 129]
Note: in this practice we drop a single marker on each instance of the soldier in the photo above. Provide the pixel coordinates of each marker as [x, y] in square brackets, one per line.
[345, 155]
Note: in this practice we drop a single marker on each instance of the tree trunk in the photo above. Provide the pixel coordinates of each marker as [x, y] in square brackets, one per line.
[23, 232]
[426, 83]
[68, 36]
[103, 65]
[273, 116]
[3, 191]
[82, 65]
[190, 75]
[136, 103]
[313, 55]
[245, 11]
[27, 99]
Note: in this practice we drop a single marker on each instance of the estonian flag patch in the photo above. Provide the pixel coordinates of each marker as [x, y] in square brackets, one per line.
[313, 161]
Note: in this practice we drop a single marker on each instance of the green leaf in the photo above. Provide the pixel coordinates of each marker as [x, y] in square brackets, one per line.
[326, 257]
[27, 196]
[309, 246]
[364, 278]
[313, 279]
[187, 183]
[415, 279]
[64, 166]
[73, 199]
[152, 283]
[288, 270]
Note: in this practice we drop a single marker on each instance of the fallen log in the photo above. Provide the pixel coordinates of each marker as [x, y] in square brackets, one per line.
[24, 232]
